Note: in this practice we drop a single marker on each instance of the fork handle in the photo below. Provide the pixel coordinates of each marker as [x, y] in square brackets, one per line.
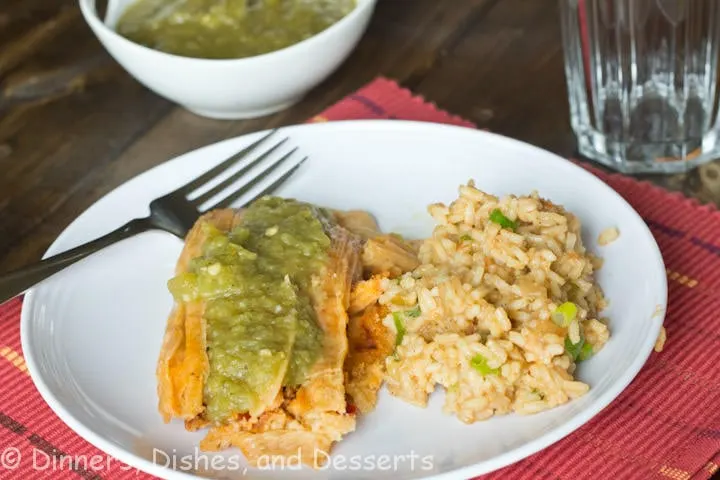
[16, 282]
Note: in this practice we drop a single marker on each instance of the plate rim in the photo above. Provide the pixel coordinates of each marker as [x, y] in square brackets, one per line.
[493, 464]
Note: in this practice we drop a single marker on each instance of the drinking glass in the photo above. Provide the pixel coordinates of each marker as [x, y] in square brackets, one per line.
[642, 78]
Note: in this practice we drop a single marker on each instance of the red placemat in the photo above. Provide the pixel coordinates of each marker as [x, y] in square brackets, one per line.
[666, 425]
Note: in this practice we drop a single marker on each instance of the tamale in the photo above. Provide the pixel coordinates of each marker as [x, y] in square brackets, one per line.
[286, 408]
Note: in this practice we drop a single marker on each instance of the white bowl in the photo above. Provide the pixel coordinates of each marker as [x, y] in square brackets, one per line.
[235, 88]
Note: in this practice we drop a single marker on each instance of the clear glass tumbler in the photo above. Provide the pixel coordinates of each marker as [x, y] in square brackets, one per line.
[642, 77]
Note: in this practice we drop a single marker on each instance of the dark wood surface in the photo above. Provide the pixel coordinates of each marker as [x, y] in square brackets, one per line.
[74, 125]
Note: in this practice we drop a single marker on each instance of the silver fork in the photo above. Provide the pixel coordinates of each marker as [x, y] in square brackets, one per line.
[175, 213]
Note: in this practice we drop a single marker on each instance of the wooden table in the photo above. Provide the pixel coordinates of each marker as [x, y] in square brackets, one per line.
[74, 125]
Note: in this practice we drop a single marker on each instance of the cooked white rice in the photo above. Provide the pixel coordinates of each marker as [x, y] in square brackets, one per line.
[487, 293]
[608, 236]
[662, 338]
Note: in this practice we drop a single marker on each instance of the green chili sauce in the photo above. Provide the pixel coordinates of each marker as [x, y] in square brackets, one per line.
[255, 281]
[223, 29]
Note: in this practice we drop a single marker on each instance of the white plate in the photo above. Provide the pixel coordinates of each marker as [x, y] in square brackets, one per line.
[91, 335]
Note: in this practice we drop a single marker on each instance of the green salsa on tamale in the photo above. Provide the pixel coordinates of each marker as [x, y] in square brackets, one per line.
[223, 29]
[255, 281]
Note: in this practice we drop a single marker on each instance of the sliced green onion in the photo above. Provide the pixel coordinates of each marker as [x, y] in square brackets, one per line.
[585, 352]
[496, 216]
[465, 238]
[400, 327]
[414, 313]
[479, 363]
[564, 315]
[574, 349]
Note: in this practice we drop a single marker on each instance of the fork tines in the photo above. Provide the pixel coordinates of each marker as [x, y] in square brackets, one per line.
[224, 186]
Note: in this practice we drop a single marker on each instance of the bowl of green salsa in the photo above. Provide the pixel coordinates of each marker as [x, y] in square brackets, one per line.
[230, 59]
